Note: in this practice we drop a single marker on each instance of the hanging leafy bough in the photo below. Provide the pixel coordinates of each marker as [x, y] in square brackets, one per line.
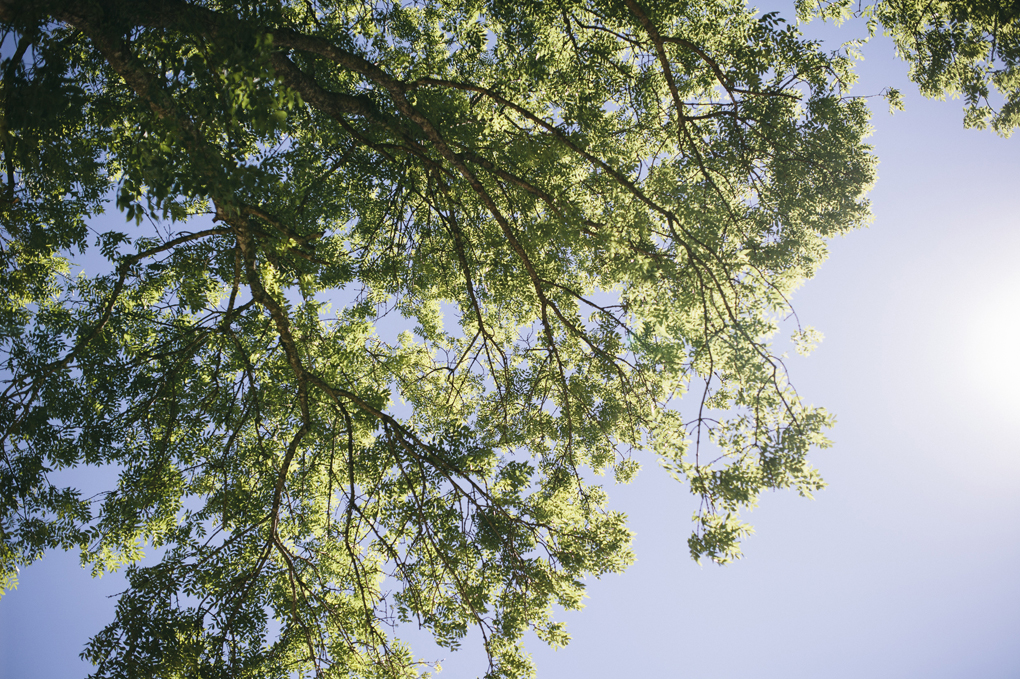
[614, 201]
[954, 47]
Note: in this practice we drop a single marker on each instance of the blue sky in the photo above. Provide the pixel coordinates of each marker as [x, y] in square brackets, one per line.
[906, 565]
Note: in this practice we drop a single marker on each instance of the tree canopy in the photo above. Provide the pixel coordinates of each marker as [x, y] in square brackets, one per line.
[968, 48]
[588, 216]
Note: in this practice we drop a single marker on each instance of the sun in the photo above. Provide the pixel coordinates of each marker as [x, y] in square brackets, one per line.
[992, 346]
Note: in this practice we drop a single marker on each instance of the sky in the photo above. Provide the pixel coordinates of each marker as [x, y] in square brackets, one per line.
[905, 566]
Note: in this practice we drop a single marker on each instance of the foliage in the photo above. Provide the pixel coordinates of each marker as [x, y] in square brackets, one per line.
[954, 47]
[585, 210]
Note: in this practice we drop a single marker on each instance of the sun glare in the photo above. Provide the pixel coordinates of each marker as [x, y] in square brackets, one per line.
[993, 347]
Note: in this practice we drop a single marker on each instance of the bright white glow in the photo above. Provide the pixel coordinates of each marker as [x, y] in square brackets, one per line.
[992, 348]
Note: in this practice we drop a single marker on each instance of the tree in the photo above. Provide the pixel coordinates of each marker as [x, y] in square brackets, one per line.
[585, 210]
[954, 47]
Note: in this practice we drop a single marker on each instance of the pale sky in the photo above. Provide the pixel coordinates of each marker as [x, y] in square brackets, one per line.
[905, 566]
